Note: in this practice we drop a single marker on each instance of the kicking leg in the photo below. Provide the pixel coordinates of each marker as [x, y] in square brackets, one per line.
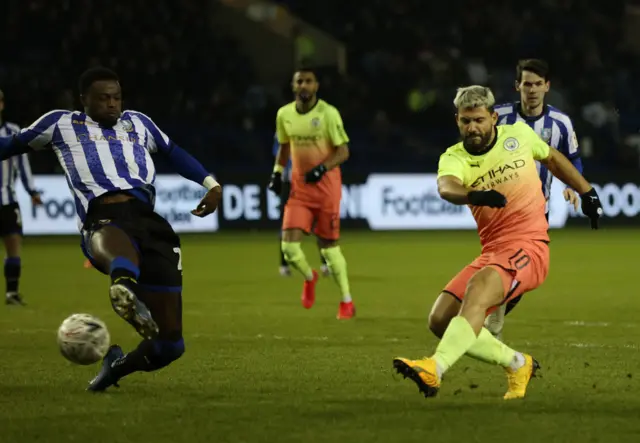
[12, 269]
[150, 355]
[331, 251]
[464, 334]
[114, 253]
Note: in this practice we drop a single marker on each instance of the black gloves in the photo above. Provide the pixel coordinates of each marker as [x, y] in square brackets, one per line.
[490, 198]
[316, 174]
[275, 184]
[591, 207]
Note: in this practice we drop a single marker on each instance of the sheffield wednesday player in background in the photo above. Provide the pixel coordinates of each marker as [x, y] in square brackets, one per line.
[311, 133]
[553, 126]
[106, 156]
[493, 171]
[285, 271]
[10, 216]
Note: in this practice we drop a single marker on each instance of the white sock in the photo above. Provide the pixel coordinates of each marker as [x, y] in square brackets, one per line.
[517, 362]
[346, 298]
[439, 370]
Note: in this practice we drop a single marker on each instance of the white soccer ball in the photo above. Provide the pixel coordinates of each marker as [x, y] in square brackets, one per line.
[83, 339]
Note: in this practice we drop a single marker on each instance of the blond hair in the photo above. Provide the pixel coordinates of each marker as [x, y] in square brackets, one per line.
[474, 96]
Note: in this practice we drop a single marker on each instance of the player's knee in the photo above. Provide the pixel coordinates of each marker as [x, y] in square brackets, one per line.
[291, 250]
[167, 351]
[324, 243]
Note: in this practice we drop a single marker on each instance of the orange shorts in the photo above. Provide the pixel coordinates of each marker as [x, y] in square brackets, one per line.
[323, 222]
[523, 266]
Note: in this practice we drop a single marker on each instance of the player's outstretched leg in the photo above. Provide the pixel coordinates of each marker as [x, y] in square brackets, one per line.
[324, 266]
[465, 335]
[12, 269]
[150, 355]
[292, 249]
[112, 250]
[338, 266]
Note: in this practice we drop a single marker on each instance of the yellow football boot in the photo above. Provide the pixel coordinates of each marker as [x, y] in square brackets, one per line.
[422, 372]
[518, 380]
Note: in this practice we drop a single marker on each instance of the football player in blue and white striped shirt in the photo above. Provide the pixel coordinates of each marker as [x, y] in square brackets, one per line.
[10, 216]
[284, 196]
[553, 126]
[106, 157]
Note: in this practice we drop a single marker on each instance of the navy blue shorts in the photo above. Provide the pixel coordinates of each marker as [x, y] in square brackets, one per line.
[10, 220]
[157, 243]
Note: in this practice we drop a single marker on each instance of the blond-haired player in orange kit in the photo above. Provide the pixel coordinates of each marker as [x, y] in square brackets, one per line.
[310, 131]
[493, 170]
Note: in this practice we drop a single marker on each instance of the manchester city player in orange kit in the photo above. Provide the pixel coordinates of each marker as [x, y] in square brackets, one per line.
[311, 133]
[493, 171]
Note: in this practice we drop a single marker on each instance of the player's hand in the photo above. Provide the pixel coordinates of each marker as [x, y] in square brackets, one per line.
[490, 198]
[572, 197]
[316, 174]
[36, 200]
[275, 184]
[209, 202]
[591, 207]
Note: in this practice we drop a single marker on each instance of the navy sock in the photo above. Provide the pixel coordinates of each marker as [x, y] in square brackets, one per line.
[123, 271]
[12, 267]
[150, 355]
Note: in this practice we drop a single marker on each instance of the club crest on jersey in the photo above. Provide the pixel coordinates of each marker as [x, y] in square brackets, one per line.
[127, 125]
[511, 144]
[546, 134]
[315, 122]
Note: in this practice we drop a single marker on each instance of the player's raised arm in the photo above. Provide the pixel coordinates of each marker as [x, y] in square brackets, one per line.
[561, 167]
[184, 164]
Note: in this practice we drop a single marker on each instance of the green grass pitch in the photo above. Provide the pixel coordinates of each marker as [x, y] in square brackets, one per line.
[260, 368]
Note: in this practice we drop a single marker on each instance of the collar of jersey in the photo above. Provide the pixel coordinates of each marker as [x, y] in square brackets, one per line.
[489, 148]
[532, 118]
[310, 109]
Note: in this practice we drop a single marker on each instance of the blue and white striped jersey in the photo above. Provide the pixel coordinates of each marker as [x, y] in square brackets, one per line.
[554, 127]
[96, 159]
[11, 168]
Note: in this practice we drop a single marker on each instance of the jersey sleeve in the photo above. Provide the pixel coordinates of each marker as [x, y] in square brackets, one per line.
[281, 132]
[39, 134]
[157, 140]
[337, 134]
[450, 164]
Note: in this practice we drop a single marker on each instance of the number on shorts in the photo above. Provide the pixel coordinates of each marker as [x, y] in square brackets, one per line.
[178, 251]
[519, 260]
[18, 217]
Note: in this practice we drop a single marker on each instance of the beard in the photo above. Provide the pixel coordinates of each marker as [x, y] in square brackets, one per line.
[305, 96]
[477, 142]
